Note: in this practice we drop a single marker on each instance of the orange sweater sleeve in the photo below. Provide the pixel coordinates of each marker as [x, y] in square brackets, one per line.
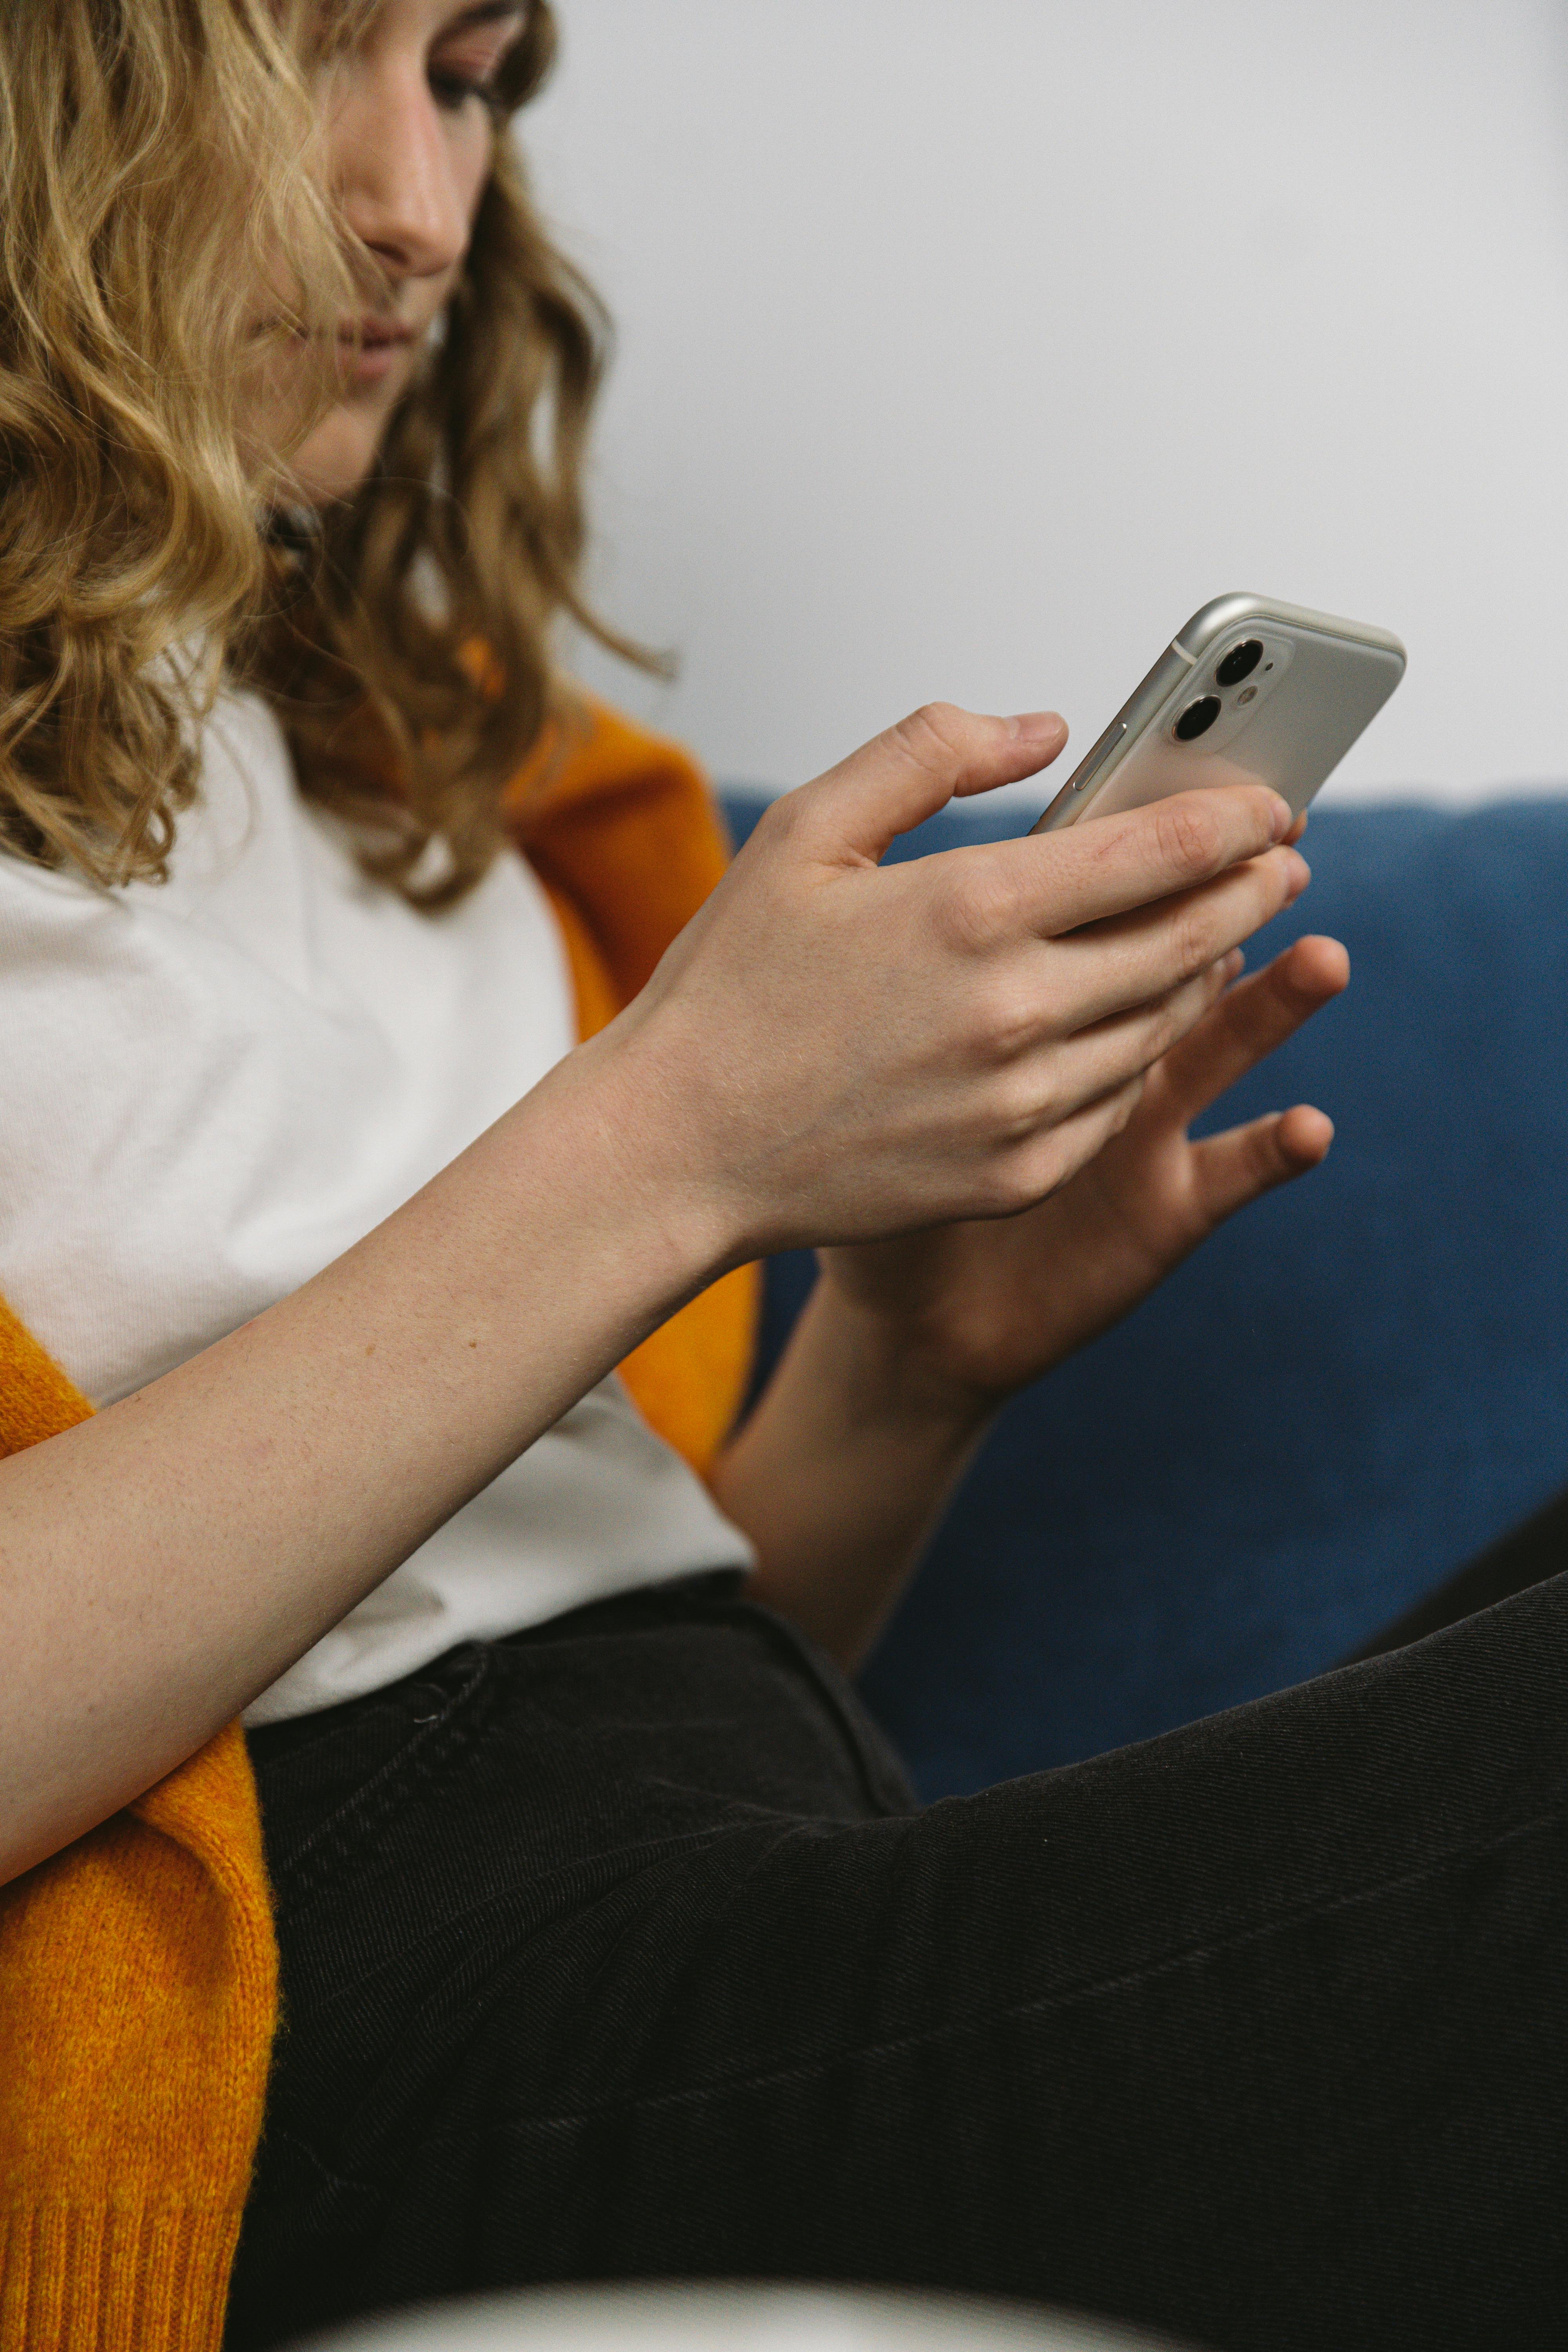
[137, 1998]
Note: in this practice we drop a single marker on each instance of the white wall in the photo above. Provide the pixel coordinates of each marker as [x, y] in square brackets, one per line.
[966, 346]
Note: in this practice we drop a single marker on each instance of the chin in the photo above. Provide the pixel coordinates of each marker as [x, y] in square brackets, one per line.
[338, 456]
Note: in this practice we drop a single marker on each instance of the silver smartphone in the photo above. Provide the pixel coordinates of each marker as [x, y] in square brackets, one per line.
[1249, 692]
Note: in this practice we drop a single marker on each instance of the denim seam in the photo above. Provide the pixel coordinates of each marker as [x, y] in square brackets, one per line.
[1068, 1997]
[337, 1842]
[659, 1849]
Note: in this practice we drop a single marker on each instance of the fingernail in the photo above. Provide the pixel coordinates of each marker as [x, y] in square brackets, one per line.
[1283, 817]
[1037, 723]
[1235, 961]
[1299, 872]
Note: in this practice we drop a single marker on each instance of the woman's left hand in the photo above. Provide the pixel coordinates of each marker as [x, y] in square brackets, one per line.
[980, 1309]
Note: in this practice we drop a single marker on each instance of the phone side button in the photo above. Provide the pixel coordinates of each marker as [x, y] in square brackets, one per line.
[1108, 743]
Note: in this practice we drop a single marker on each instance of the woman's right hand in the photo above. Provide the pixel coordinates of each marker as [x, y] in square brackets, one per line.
[847, 1051]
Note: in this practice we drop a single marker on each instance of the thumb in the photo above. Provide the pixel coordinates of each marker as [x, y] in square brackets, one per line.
[911, 771]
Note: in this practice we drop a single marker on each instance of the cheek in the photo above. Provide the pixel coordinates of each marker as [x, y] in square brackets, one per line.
[471, 166]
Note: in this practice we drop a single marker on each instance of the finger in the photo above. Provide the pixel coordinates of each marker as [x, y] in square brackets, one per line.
[1044, 1161]
[1251, 1020]
[1091, 872]
[1098, 1060]
[1297, 830]
[1245, 1162]
[1141, 957]
[912, 770]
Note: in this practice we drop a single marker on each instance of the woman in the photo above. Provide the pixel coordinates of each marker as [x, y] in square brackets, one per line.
[612, 1940]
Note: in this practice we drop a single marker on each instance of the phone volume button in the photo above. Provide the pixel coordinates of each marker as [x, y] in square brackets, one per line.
[1108, 743]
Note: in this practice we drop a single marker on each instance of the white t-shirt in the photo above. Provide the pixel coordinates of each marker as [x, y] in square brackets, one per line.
[209, 1089]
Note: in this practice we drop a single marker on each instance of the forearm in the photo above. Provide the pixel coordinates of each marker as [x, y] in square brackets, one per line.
[840, 1475]
[162, 1563]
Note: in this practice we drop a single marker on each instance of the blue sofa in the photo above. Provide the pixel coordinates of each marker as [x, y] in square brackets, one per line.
[1345, 1395]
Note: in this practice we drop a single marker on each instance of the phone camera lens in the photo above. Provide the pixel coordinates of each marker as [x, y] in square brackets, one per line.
[1240, 662]
[1197, 718]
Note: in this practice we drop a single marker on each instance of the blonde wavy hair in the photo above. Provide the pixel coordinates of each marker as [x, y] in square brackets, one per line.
[156, 158]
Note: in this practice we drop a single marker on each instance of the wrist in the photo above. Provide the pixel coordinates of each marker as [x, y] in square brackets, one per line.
[634, 1148]
[843, 1471]
[892, 1373]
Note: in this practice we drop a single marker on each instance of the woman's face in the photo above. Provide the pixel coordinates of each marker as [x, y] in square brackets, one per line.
[408, 138]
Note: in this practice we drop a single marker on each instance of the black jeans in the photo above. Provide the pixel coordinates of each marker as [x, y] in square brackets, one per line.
[621, 1949]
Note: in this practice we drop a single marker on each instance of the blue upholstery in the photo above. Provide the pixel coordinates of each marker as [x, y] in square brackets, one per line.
[1348, 1392]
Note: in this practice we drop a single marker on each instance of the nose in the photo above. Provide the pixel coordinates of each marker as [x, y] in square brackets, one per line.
[392, 167]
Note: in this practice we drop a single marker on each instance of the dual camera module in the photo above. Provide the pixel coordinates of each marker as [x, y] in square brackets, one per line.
[1200, 715]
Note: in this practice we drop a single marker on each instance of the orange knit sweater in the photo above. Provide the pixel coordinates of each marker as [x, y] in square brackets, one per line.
[139, 1968]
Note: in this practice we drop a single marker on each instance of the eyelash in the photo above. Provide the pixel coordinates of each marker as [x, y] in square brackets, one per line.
[453, 91]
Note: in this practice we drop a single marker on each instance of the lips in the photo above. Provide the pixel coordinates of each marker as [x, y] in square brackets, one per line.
[376, 334]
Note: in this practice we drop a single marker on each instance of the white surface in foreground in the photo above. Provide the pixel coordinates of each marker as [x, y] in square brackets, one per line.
[733, 2318]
